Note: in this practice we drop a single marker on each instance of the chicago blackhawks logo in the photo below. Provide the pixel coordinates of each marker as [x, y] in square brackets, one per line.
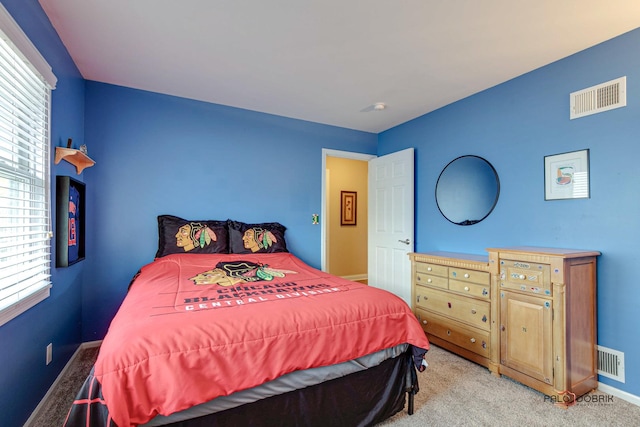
[232, 273]
[194, 234]
[257, 238]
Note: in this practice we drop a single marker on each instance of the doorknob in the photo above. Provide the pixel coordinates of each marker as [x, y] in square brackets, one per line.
[405, 241]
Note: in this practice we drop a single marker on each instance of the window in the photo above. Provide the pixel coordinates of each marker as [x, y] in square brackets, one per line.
[26, 82]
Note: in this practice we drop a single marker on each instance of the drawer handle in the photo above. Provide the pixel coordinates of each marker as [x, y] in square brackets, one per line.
[448, 332]
[521, 277]
[472, 340]
[473, 311]
[466, 275]
[429, 269]
[424, 322]
[429, 280]
[466, 288]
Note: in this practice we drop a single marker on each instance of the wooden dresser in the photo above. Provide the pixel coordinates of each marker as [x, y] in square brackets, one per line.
[452, 299]
[528, 313]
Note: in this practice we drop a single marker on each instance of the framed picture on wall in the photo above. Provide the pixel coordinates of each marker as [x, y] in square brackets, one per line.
[70, 221]
[348, 205]
[566, 176]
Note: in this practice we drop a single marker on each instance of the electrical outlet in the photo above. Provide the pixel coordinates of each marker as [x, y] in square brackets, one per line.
[49, 353]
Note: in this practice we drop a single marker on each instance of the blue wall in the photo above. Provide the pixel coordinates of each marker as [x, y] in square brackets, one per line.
[514, 125]
[159, 154]
[24, 377]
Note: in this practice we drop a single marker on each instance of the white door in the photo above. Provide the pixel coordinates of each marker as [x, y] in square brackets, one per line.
[391, 227]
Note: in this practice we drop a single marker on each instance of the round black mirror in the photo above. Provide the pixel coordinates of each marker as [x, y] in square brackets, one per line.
[467, 190]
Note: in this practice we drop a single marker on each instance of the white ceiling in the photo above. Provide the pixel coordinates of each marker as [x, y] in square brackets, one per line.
[327, 60]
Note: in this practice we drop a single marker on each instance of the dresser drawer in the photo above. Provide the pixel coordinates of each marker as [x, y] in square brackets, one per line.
[432, 269]
[468, 310]
[472, 339]
[472, 289]
[479, 277]
[525, 277]
[430, 280]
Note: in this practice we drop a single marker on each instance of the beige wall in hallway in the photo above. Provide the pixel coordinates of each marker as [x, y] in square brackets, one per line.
[347, 252]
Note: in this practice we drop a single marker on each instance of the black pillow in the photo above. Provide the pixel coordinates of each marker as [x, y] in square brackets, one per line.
[179, 236]
[267, 237]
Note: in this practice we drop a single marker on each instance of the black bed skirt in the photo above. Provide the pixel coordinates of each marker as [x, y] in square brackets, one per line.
[359, 399]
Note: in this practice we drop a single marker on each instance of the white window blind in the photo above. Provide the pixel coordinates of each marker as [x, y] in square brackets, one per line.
[25, 216]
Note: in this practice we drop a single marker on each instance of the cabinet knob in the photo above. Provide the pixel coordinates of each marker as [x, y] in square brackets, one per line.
[472, 340]
[424, 322]
[429, 280]
[466, 288]
[466, 275]
[429, 269]
[521, 276]
[473, 311]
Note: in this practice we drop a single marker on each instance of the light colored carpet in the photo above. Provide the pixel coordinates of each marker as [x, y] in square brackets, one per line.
[453, 392]
[456, 392]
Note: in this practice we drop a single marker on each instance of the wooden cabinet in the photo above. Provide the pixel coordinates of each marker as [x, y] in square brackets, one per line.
[547, 300]
[452, 298]
[528, 313]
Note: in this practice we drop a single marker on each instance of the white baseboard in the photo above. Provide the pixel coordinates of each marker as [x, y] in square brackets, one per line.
[631, 398]
[91, 344]
[356, 277]
[81, 347]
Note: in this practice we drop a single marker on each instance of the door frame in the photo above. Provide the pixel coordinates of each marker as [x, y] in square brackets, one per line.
[324, 208]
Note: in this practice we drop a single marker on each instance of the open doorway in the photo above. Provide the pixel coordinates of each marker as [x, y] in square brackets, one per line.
[344, 246]
[390, 220]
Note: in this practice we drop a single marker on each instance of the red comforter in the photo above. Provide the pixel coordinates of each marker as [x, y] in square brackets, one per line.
[195, 327]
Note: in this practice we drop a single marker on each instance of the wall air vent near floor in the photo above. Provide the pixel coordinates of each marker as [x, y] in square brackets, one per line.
[611, 363]
[599, 98]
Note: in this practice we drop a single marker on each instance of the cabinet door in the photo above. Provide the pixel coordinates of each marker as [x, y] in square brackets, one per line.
[526, 339]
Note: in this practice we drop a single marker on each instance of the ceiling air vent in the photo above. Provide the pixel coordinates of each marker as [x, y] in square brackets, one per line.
[599, 98]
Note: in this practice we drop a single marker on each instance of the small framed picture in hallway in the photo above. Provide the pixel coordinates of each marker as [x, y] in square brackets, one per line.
[348, 204]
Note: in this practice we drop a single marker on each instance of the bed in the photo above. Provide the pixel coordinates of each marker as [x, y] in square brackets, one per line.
[226, 327]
